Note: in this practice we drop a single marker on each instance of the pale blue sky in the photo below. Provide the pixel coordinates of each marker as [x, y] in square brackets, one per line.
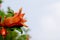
[43, 17]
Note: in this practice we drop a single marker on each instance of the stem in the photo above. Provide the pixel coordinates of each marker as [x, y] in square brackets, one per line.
[3, 38]
[0, 6]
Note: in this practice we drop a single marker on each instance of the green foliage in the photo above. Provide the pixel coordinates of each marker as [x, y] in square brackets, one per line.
[12, 29]
[10, 12]
[22, 37]
[11, 35]
[0, 1]
[19, 29]
[2, 14]
[1, 38]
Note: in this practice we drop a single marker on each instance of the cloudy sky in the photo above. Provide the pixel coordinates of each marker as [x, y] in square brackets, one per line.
[43, 17]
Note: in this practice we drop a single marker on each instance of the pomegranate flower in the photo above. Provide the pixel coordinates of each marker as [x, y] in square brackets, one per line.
[3, 32]
[16, 20]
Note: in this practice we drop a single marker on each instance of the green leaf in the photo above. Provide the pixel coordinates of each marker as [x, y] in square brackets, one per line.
[22, 37]
[2, 14]
[1, 38]
[10, 12]
[11, 35]
[9, 15]
[20, 30]
[0, 1]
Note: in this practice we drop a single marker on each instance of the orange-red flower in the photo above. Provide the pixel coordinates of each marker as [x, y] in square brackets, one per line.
[3, 32]
[16, 20]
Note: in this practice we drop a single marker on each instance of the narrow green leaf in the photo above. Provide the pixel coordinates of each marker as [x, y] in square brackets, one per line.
[10, 12]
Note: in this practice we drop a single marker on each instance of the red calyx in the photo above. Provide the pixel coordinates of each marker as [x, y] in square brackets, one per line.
[3, 32]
